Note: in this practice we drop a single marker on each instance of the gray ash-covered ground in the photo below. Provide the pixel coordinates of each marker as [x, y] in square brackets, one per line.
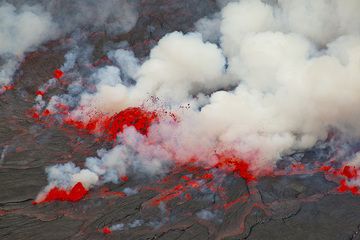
[299, 206]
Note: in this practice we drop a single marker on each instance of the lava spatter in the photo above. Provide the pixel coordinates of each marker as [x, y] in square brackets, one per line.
[106, 230]
[58, 73]
[76, 193]
[137, 117]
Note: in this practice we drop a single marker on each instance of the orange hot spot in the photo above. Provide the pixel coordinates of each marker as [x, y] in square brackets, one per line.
[346, 188]
[76, 193]
[46, 112]
[124, 178]
[35, 115]
[349, 172]
[188, 197]
[238, 166]
[106, 230]
[207, 176]
[40, 93]
[298, 166]
[325, 168]
[186, 178]
[58, 74]
[7, 87]
[140, 119]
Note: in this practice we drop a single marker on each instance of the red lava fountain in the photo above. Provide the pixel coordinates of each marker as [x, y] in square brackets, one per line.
[77, 192]
[137, 117]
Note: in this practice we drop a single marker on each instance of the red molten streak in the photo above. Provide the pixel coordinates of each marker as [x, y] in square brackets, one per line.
[77, 193]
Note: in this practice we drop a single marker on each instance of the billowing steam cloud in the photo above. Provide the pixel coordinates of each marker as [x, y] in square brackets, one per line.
[21, 30]
[280, 78]
[25, 25]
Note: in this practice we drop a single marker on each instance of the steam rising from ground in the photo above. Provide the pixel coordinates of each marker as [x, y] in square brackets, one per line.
[25, 25]
[20, 30]
[281, 77]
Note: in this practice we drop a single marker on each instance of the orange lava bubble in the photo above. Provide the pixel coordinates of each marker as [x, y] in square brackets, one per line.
[58, 74]
[106, 230]
[77, 192]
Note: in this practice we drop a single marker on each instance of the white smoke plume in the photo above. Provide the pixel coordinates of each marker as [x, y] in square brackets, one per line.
[284, 74]
[25, 25]
[21, 30]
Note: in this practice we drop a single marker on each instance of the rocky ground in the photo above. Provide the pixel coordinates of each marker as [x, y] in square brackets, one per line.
[300, 206]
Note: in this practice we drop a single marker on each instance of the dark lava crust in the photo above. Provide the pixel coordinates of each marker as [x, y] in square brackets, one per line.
[285, 207]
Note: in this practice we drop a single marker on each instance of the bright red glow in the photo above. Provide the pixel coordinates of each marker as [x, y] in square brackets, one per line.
[106, 230]
[7, 87]
[236, 165]
[186, 178]
[325, 168]
[58, 74]
[188, 196]
[105, 192]
[344, 187]
[124, 178]
[139, 118]
[40, 93]
[76, 193]
[349, 172]
[207, 176]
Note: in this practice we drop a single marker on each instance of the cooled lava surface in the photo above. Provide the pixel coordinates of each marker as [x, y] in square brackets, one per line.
[225, 201]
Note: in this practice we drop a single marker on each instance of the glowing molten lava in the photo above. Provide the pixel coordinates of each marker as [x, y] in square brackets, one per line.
[235, 165]
[58, 74]
[77, 192]
[106, 230]
[137, 117]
